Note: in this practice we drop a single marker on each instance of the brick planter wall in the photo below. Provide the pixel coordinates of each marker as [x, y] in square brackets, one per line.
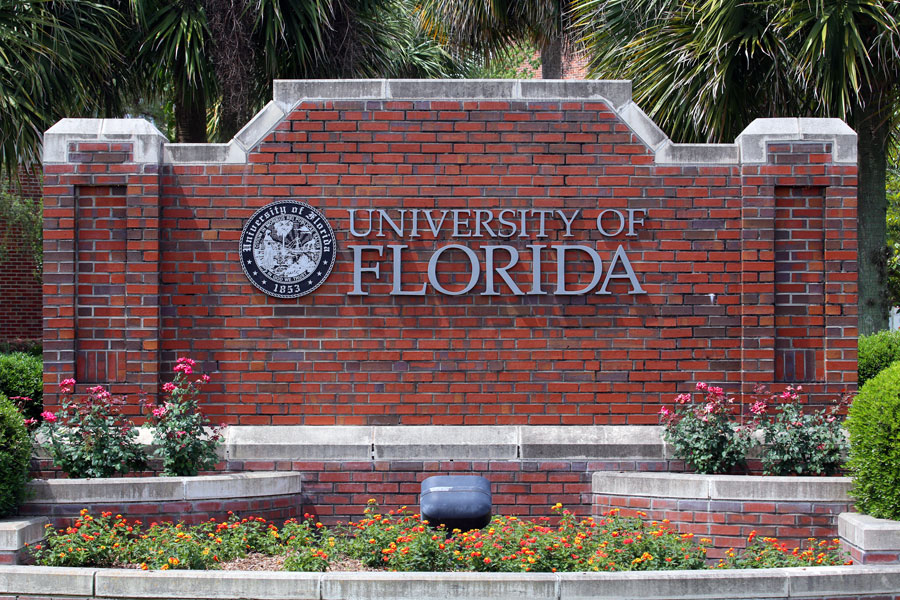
[726, 508]
[870, 540]
[746, 252]
[272, 496]
[822, 583]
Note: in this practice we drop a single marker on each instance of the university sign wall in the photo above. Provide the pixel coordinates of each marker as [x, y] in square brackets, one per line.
[450, 252]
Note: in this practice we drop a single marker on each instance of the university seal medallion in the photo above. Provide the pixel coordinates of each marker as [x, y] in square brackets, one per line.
[287, 249]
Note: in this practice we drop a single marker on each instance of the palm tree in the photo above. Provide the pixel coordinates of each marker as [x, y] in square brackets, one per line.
[218, 57]
[490, 27]
[704, 69]
[57, 59]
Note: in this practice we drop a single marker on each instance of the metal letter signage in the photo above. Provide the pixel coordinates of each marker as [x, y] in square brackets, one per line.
[287, 249]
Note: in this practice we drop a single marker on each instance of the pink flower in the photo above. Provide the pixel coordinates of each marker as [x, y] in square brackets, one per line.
[701, 386]
[205, 379]
[30, 422]
[716, 391]
[683, 398]
[48, 416]
[168, 387]
[184, 368]
[67, 386]
[665, 412]
[159, 411]
[710, 407]
[759, 407]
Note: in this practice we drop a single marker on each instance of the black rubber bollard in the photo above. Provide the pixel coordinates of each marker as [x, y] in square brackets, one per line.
[456, 501]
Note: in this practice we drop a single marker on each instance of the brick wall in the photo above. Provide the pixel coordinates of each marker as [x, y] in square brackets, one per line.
[20, 288]
[717, 254]
[729, 523]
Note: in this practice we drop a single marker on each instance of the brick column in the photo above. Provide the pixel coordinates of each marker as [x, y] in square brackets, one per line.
[799, 299]
[101, 248]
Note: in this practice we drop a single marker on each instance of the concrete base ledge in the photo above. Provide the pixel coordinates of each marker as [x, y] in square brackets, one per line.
[723, 487]
[301, 443]
[821, 582]
[15, 533]
[163, 489]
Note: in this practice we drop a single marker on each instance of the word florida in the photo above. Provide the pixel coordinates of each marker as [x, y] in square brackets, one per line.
[498, 260]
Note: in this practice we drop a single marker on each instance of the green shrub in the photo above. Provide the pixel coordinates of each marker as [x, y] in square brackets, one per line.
[874, 426]
[876, 353]
[21, 376]
[15, 455]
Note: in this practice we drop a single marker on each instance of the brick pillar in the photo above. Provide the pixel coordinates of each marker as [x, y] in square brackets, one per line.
[798, 257]
[101, 249]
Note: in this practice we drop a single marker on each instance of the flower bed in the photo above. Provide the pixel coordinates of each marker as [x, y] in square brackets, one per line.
[727, 508]
[404, 542]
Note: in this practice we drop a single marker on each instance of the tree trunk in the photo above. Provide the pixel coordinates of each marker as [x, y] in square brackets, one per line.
[232, 54]
[874, 133]
[551, 58]
[190, 117]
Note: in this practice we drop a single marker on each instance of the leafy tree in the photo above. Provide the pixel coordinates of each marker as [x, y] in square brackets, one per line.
[704, 69]
[217, 58]
[58, 58]
[490, 29]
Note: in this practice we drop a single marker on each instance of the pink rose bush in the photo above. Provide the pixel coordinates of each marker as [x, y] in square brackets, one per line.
[89, 436]
[703, 431]
[183, 436]
[798, 441]
[709, 432]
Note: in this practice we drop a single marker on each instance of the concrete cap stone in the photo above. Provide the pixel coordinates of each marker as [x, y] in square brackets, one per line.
[697, 154]
[289, 92]
[263, 123]
[147, 140]
[289, 442]
[723, 487]
[784, 489]
[242, 485]
[611, 442]
[186, 154]
[438, 586]
[754, 140]
[268, 585]
[654, 485]
[445, 442]
[615, 92]
[451, 89]
[828, 582]
[751, 583]
[112, 489]
[868, 533]
[643, 126]
[46, 581]
[163, 489]
[16, 532]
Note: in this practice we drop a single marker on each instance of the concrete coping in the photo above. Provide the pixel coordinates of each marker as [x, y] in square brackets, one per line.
[799, 582]
[163, 489]
[16, 532]
[299, 442]
[723, 487]
[750, 147]
[869, 534]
